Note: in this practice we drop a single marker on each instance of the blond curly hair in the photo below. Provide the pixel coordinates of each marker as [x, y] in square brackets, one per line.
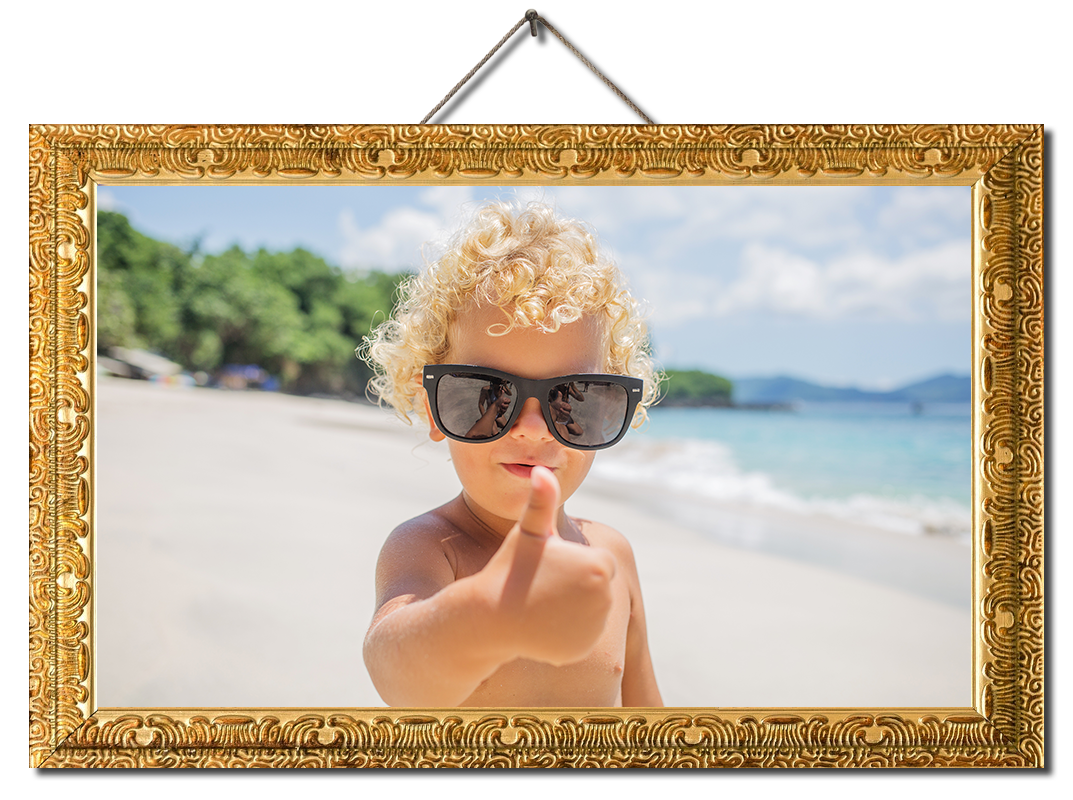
[541, 269]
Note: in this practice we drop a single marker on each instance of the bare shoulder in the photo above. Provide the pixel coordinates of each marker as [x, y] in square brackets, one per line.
[423, 531]
[600, 535]
[414, 559]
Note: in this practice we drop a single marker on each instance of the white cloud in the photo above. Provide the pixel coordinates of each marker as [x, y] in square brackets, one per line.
[775, 280]
[531, 194]
[688, 216]
[823, 253]
[670, 222]
[446, 201]
[922, 213]
[396, 239]
[805, 217]
[107, 201]
[674, 299]
[928, 284]
[611, 210]
[393, 242]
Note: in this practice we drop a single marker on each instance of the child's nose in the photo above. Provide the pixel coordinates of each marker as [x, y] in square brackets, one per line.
[530, 422]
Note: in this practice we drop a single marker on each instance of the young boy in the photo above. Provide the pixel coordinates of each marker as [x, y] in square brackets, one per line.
[516, 347]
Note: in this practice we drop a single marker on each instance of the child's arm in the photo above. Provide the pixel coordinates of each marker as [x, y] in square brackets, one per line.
[639, 689]
[434, 639]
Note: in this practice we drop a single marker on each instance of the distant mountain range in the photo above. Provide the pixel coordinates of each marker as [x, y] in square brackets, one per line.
[784, 389]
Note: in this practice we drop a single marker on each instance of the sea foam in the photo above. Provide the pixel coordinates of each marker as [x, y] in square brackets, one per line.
[707, 470]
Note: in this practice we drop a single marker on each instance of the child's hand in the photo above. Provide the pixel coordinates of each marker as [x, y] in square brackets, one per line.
[555, 594]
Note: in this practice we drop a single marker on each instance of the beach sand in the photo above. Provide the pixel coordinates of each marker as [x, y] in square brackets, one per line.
[238, 534]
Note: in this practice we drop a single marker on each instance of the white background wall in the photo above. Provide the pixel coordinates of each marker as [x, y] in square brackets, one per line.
[445, 47]
[539, 86]
[791, 62]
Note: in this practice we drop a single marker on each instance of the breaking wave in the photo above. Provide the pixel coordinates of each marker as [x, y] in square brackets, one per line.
[707, 470]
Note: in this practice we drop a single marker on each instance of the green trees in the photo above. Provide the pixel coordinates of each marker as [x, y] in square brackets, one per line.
[692, 387]
[293, 314]
[137, 305]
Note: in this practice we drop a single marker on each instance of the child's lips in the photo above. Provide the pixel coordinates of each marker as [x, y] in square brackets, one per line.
[522, 470]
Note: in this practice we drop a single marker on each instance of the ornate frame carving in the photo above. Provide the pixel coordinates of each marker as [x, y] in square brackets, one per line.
[1003, 727]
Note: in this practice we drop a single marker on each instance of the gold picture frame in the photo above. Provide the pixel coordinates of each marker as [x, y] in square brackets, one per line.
[1004, 726]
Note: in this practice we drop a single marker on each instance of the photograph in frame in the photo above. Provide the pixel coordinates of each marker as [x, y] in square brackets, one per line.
[796, 504]
[952, 156]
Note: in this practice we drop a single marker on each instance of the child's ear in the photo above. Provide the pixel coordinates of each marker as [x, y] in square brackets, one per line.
[433, 432]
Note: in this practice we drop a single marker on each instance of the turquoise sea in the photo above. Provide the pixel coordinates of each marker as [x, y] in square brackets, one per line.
[889, 465]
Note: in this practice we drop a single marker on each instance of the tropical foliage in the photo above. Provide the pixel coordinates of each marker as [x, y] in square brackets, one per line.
[693, 387]
[292, 314]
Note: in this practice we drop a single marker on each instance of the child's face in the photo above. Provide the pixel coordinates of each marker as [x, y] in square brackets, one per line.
[493, 475]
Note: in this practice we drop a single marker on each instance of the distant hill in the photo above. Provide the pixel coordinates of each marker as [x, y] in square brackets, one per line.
[940, 389]
[694, 387]
[784, 389]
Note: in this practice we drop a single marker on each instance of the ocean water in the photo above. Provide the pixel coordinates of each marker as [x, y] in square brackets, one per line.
[886, 465]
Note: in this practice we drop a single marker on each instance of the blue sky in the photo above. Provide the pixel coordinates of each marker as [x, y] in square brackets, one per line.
[865, 286]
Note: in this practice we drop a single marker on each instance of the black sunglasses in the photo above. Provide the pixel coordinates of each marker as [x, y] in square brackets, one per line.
[477, 404]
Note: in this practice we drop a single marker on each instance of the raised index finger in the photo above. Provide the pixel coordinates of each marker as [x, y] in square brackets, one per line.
[538, 519]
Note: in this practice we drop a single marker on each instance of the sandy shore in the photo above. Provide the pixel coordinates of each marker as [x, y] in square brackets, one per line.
[238, 534]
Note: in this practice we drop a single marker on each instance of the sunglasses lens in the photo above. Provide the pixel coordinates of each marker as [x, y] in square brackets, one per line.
[474, 406]
[589, 413]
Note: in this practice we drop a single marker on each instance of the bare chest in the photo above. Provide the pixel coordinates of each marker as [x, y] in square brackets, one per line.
[595, 681]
